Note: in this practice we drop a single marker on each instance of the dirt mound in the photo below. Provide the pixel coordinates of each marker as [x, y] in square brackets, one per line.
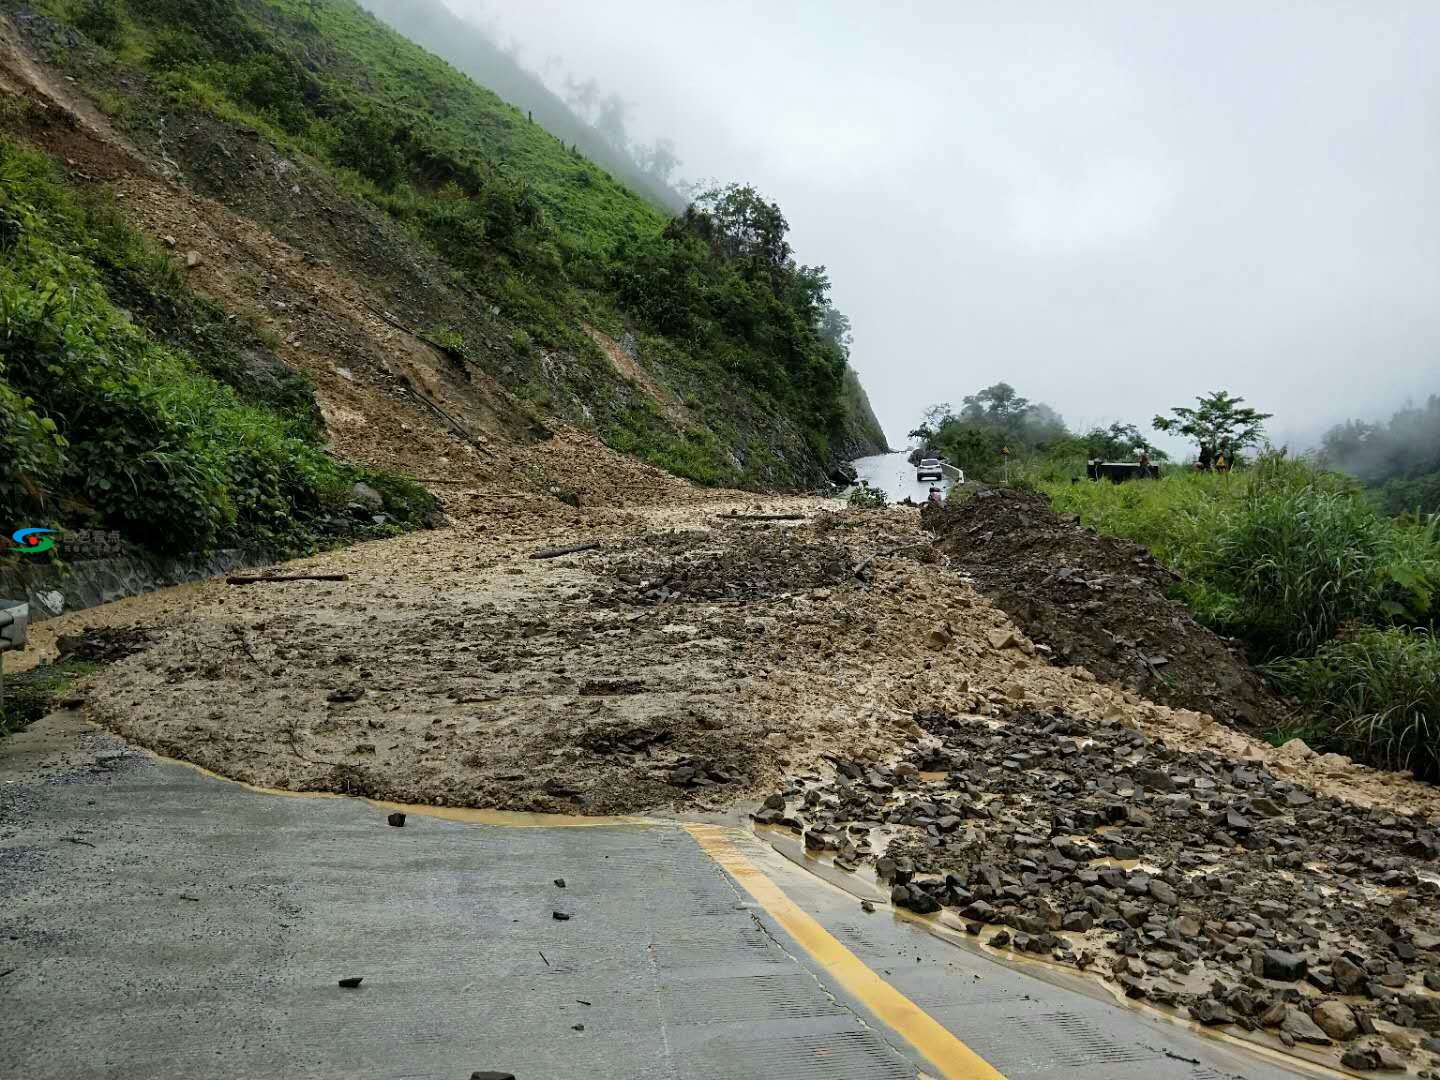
[1098, 602]
[750, 564]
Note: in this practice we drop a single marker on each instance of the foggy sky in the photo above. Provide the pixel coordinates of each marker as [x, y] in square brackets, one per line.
[1114, 206]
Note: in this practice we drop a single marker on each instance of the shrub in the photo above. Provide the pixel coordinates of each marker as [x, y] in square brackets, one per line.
[1373, 694]
[103, 21]
[868, 498]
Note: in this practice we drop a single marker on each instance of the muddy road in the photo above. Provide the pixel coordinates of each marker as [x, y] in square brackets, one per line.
[834, 673]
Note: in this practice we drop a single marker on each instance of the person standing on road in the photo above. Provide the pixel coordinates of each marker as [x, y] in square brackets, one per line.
[935, 497]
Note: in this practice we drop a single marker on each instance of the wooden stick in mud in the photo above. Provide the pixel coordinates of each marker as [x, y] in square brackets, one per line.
[252, 579]
[555, 553]
[762, 517]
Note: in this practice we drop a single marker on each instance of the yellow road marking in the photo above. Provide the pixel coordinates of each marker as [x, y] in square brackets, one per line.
[946, 1053]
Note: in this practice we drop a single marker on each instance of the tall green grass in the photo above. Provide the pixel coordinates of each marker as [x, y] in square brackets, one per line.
[1374, 695]
[1333, 597]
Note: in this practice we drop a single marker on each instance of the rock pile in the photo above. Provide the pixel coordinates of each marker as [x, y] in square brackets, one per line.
[751, 564]
[1193, 881]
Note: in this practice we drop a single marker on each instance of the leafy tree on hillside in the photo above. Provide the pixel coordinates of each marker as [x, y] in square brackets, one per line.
[1219, 421]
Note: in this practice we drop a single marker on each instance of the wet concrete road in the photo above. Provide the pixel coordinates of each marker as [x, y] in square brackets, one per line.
[893, 474]
[159, 923]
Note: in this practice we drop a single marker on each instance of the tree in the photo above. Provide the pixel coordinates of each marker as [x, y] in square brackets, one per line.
[835, 328]
[1119, 442]
[998, 405]
[1220, 422]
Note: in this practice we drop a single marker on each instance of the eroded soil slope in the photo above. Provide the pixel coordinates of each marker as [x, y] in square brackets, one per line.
[1097, 601]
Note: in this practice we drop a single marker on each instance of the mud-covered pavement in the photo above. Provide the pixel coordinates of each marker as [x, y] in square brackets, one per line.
[715, 650]
[692, 661]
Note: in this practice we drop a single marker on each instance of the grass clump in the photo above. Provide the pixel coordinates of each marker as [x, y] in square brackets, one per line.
[1373, 694]
[868, 498]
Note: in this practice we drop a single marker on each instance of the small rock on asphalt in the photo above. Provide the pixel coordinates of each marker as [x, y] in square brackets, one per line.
[559, 916]
[397, 820]
[352, 981]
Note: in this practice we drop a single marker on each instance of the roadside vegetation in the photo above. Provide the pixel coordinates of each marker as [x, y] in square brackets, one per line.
[1334, 598]
[713, 297]
[147, 420]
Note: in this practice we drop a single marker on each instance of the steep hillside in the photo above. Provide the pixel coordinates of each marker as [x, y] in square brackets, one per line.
[431, 24]
[539, 287]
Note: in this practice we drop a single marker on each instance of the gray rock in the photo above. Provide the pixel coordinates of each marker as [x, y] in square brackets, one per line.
[1283, 966]
[367, 496]
[1210, 1013]
[1349, 977]
[396, 820]
[1153, 779]
[1302, 1028]
[1163, 893]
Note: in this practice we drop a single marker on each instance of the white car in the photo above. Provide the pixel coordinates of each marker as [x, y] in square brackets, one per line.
[929, 469]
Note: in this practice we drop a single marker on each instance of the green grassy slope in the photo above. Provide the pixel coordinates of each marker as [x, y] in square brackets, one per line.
[480, 226]
[162, 420]
[431, 24]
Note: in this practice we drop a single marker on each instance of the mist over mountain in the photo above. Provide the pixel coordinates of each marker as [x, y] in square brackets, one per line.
[587, 118]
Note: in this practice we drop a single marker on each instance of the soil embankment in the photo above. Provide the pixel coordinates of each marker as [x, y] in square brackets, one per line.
[1099, 602]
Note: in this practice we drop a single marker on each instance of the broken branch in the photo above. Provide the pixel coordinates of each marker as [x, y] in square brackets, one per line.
[252, 579]
[555, 553]
[762, 517]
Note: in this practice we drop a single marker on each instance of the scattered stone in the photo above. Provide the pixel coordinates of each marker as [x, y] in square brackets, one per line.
[867, 906]
[1349, 977]
[1298, 1025]
[1154, 780]
[1211, 1013]
[560, 883]
[1361, 1059]
[350, 982]
[559, 916]
[1003, 639]
[1283, 966]
[488, 1075]
[1398, 1037]
[193, 259]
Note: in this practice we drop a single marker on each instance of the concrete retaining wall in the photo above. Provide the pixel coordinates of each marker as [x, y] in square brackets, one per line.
[52, 590]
